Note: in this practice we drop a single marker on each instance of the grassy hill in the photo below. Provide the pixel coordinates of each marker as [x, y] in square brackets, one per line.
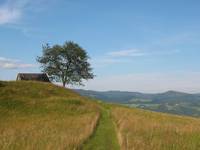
[36, 115]
[44, 116]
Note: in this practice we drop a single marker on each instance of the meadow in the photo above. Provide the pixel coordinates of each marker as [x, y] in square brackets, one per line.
[36, 116]
[44, 116]
[145, 130]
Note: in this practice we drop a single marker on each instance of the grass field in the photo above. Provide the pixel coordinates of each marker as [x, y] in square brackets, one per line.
[38, 116]
[43, 116]
[145, 130]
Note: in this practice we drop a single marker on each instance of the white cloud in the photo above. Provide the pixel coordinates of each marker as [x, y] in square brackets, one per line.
[9, 15]
[6, 63]
[126, 56]
[126, 53]
[13, 10]
[140, 53]
[116, 57]
[148, 82]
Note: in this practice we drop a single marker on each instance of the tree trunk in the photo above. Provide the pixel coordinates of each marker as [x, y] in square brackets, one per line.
[64, 83]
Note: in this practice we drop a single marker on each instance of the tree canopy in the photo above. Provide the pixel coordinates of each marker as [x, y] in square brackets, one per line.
[66, 63]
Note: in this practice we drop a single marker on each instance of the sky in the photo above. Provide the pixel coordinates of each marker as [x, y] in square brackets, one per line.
[134, 45]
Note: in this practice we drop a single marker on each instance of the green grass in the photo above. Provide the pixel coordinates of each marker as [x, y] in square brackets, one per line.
[104, 137]
[36, 115]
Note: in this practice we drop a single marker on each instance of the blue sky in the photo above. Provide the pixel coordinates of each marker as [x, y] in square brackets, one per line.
[147, 46]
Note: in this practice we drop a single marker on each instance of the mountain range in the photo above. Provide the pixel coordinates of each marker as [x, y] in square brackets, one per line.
[168, 102]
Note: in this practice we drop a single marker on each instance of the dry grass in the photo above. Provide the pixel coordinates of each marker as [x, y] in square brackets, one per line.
[145, 130]
[43, 116]
[50, 132]
[36, 116]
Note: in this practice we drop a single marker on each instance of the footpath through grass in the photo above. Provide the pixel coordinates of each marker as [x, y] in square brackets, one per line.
[104, 138]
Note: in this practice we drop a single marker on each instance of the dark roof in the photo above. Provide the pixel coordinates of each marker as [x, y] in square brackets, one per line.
[33, 76]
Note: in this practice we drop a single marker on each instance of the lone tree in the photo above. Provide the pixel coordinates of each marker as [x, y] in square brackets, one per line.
[66, 63]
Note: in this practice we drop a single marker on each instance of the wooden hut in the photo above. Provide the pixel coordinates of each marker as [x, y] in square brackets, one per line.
[42, 77]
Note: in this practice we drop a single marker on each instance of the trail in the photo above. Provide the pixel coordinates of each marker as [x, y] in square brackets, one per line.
[104, 137]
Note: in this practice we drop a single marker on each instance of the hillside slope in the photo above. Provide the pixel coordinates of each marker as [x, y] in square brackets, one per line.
[36, 115]
[43, 116]
[145, 130]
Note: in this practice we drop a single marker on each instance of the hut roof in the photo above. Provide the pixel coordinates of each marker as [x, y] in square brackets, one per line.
[33, 76]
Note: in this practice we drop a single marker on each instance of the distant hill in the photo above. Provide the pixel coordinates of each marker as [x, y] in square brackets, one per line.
[170, 102]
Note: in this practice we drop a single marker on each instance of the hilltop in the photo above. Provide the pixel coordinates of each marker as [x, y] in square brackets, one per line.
[43, 116]
[36, 115]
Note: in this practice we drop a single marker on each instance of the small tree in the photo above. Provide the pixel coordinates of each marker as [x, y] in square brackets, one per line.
[67, 63]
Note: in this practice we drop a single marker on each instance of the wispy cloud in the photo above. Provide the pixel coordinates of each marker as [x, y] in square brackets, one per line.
[15, 13]
[126, 56]
[12, 10]
[126, 53]
[116, 57]
[9, 15]
[139, 53]
[7, 63]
